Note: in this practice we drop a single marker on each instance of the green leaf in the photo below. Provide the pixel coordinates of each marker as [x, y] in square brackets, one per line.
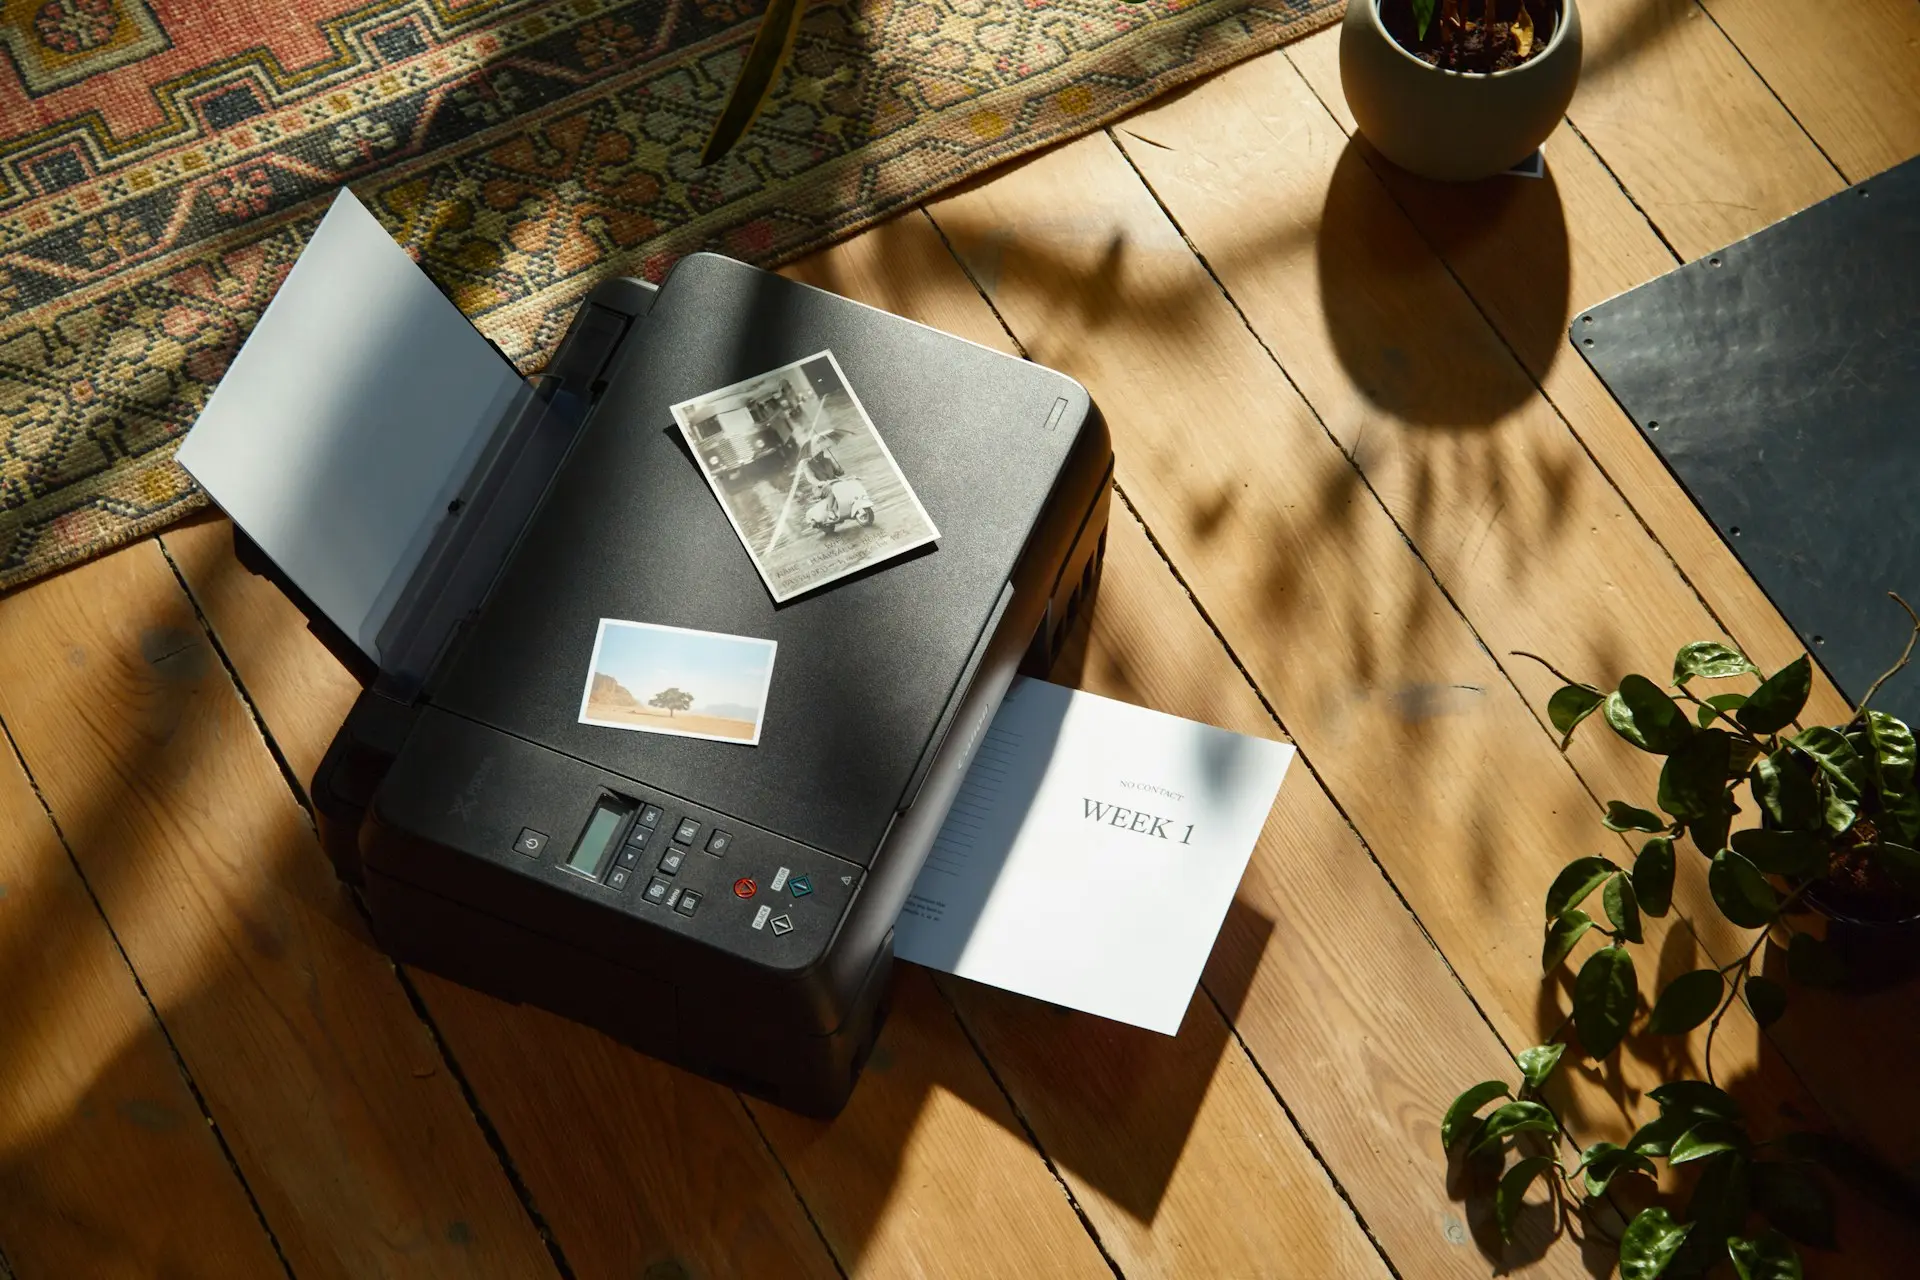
[1709, 835]
[1622, 816]
[1766, 998]
[1901, 863]
[1537, 1063]
[1693, 782]
[1513, 1187]
[1828, 748]
[1622, 908]
[1795, 1201]
[1603, 1161]
[1603, 998]
[1717, 1208]
[1772, 706]
[1695, 1098]
[1891, 762]
[1711, 660]
[1740, 891]
[1562, 932]
[1728, 702]
[1644, 715]
[1782, 853]
[1655, 1137]
[1687, 1001]
[1576, 880]
[1708, 1138]
[1766, 1256]
[772, 46]
[1813, 963]
[1515, 1117]
[1840, 812]
[1569, 705]
[1650, 1242]
[1653, 876]
[1453, 1126]
[1785, 791]
[1422, 17]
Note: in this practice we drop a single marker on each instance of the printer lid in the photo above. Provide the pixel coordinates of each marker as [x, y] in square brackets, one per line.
[629, 529]
[348, 422]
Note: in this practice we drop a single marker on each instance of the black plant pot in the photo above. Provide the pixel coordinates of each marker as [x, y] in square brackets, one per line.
[1877, 954]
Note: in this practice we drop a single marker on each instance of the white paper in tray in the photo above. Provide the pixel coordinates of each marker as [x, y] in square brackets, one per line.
[348, 420]
[1091, 854]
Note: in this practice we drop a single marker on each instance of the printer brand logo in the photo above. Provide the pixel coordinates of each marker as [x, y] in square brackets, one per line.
[469, 795]
[1145, 824]
[804, 478]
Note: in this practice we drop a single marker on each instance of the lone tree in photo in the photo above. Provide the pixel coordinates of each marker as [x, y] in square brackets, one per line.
[672, 700]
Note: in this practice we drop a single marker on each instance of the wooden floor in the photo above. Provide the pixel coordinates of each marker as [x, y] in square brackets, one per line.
[1358, 466]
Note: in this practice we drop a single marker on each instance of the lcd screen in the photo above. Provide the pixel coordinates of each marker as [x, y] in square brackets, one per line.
[590, 854]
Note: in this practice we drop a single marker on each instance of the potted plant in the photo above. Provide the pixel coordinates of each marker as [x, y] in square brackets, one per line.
[1459, 89]
[1832, 829]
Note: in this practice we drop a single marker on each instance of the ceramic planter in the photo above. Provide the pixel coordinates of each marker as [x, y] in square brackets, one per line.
[1448, 124]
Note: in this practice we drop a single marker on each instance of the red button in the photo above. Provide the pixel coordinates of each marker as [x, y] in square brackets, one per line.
[744, 887]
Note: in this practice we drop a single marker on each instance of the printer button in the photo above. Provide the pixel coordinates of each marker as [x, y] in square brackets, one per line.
[800, 886]
[782, 924]
[686, 831]
[670, 862]
[649, 817]
[657, 889]
[618, 880]
[630, 856]
[688, 904]
[717, 842]
[530, 842]
[639, 836]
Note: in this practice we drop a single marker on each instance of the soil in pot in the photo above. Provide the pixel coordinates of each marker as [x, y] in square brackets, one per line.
[1475, 36]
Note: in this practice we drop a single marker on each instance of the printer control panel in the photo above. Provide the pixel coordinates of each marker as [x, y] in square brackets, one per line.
[693, 870]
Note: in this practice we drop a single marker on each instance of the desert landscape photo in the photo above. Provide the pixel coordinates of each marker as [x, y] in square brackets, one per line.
[695, 684]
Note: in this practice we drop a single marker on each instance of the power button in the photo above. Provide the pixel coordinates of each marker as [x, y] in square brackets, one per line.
[744, 887]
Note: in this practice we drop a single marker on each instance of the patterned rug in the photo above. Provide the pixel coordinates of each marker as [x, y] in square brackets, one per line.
[163, 161]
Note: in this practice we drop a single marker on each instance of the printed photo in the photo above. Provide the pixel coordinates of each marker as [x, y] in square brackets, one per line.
[696, 684]
[803, 476]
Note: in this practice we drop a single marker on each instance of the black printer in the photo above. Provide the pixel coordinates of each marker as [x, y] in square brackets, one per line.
[726, 907]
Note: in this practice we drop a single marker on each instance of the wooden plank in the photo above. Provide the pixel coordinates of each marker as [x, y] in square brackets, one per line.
[673, 1174]
[1681, 119]
[1442, 767]
[1502, 261]
[356, 1142]
[1848, 70]
[1153, 1134]
[107, 1166]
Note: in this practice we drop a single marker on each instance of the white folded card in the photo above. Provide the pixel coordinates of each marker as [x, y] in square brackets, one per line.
[1092, 854]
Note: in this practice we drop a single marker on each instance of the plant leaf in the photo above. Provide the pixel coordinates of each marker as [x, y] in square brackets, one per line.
[1603, 1161]
[1603, 999]
[759, 71]
[1717, 1208]
[1653, 876]
[1709, 835]
[1813, 963]
[1537, 1063]
[1562, 932]
[1772, 706]
[1695, 1098]
[1655, 1137]
[1686, 1002]
[1641, 712]
[1422, 17]
[1650, 1242]
[1719, 702]
[1785, 791]
[1901, 863]
[1766, 1256]
[1513, 1187]
[1796, 854]
[1576, 880]
[1711, 659]
[1622, 908]
[1740, 891]
[1569, 705]
[1795, 1201]
[1522, 32]
[1693, 781]
[1708, 1138]
[1622, 816]
[1515, 1117]
[1891, 763]
[1828, 748]
[1453, 1126]
[1766, 998]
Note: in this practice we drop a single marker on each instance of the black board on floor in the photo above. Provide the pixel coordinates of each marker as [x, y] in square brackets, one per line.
[1780, 380]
